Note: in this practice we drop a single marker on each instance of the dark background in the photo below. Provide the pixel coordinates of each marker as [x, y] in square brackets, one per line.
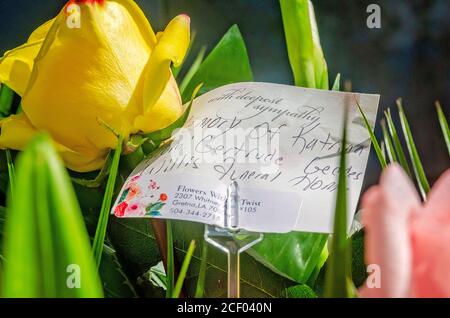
[408, 57]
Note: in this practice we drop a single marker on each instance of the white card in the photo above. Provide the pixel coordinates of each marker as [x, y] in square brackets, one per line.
[279, 143]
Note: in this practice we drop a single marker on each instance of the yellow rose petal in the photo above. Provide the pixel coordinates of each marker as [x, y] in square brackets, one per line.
[17, 131]
[167, 110]
[16, 64]
[171, 48]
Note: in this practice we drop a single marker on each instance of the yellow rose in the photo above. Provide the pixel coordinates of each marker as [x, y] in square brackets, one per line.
[96, 67]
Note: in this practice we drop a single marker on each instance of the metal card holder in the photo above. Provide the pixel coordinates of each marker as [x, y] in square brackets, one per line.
[232, 240]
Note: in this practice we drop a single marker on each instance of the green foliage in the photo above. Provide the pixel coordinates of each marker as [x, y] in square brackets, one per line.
[359, 273]
[100, 233]
[413, 154]
[6, 101]
[227, 63]
[388, 142]
[293, 255]
[444, 125]
[400, 154]
[115, 282]
[337, 83]
[184, 269]
[193, 69]
[338, 279]
[299, 291]
[170, 261]
[11, 172]
[373, 138]
[200, 289]
[45, 232]
[303, 44]
[135, 239]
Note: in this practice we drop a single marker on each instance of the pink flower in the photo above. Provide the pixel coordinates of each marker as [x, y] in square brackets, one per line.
[135, 209]
[135, 178]
[119, 211]
[408, 240]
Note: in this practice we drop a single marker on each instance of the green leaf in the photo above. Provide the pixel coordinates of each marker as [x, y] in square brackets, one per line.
[200, 289]
[193, 69]
[116, 284]
[337, 83]
[183, 270]
[299, 291]
[396, 140]
[444, 125]
[170, 261]
[46, 243]
[421, 178]
[6, 101]
[388, 142]
[155, 206]
[227, 63]
[11, 172]
[293, 255]
[302, 38]
[2, 226]
[359, 273]
[157, 276]
[373, 138]
[100, 233]
[338, 279]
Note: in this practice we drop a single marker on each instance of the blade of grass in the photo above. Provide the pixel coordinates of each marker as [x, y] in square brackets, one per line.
[193, 69]
[373, 138]
[383, 148]
[388, 143]
[200, 289]
[170, 261]
[184, 269]
[102, 224]
[11, 172]
[421, 178]
[338, 283]
[444, 125]
[337, 83]
[396, 140]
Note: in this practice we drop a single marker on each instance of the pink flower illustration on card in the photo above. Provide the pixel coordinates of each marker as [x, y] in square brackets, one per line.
[135, 209]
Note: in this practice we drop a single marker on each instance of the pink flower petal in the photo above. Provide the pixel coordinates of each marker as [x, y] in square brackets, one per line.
[439, 197]
[387, 209]
[431, 255]
[431, 243]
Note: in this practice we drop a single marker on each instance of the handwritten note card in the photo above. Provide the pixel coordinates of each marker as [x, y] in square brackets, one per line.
[280, 144]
